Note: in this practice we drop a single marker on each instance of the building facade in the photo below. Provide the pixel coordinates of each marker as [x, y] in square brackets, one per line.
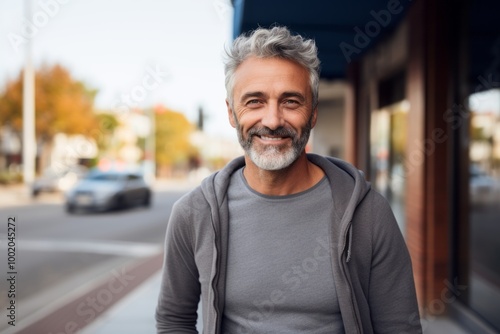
[424, 118]
[421, 117]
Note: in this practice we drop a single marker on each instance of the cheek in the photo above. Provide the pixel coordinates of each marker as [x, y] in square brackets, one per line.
[247, 119]
[299, 120]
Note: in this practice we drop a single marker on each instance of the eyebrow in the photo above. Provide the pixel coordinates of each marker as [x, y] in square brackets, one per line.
[294, 94]
[283, 95]
[252, 94]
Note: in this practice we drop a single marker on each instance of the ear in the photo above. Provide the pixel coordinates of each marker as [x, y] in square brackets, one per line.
[314, 117]
[230, 114]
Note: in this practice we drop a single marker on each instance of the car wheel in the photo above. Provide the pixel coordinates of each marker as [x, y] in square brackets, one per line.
[119, 202]
[70, 208]
[147, 200]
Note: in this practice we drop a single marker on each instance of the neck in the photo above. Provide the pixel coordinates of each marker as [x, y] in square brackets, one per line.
[299, 176]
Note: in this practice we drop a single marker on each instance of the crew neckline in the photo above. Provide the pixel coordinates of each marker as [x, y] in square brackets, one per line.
[278, 197]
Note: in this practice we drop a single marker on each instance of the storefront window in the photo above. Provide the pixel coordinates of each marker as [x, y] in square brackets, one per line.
[388, 137]
[484, 198]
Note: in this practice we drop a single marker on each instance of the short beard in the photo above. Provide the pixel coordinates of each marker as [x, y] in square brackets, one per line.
[273, 157]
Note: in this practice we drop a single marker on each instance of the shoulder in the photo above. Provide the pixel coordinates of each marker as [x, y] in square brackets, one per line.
[375, 214]
[193, 212]
[187, 210]
[345, 176]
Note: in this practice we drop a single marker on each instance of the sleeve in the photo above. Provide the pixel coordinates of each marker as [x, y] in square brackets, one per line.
[392, 296]
[180, 290]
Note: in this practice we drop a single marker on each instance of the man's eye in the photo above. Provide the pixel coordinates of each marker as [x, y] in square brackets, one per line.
[292, 102]
[253, 102]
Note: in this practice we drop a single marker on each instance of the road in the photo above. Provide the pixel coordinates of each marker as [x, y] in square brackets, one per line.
[60, 256]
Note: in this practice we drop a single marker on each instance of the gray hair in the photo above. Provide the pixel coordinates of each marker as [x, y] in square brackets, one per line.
[269, 43]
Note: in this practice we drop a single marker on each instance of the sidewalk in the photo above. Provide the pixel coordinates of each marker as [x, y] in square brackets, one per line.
[134, 314]
[19, 194]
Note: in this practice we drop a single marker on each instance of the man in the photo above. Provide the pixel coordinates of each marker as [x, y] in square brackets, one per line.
[280, 241]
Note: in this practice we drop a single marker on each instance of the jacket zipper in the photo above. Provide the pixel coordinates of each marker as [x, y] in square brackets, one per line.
[215, 282]
[347, 243]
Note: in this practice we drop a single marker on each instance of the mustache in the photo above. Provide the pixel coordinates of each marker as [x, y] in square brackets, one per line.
[278, 132]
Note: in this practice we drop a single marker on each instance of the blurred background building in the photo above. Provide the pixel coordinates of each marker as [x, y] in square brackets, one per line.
[410, 94]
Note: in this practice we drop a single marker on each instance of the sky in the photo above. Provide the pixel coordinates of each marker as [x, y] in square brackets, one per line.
[135, 53]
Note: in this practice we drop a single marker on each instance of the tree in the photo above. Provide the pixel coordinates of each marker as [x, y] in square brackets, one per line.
[107, 125]
[62, 105]
[172, 138]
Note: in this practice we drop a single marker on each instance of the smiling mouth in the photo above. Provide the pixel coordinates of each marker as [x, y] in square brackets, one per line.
[272, 138]
[268, 136]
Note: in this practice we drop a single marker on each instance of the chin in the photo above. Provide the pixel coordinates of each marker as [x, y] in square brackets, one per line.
[273, 161]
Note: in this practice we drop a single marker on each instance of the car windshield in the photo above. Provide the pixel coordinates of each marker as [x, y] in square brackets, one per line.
[104, 177]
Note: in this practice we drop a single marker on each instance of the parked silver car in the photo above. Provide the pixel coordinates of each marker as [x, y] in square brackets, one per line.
[60, 180]
[101, 191]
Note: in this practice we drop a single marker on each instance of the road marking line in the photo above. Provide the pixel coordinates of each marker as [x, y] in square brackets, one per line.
[109, 247]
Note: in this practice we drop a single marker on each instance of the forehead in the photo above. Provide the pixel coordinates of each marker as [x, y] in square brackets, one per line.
[264, 74]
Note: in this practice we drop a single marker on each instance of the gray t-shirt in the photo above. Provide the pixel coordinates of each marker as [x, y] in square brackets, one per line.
[279, 275]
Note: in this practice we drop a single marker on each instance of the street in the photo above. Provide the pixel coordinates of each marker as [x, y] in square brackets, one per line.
[59, 256]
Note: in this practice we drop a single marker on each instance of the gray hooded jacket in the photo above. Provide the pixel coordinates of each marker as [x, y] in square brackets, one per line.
[371, 265]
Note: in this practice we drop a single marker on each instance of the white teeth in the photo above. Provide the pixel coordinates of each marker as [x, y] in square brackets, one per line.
[271, 138]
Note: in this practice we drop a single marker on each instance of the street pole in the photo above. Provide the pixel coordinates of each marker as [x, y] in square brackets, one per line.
[150, 150]
[29, 143]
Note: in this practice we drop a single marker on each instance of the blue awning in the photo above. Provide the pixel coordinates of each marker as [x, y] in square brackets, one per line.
[343, 30]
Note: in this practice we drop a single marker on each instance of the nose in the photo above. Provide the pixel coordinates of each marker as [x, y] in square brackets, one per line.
[273, 117]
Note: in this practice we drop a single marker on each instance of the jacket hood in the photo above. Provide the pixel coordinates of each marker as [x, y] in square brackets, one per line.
[356, 184]
[215, 186]
[347, 192]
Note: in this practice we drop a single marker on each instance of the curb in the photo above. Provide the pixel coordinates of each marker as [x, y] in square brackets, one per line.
[17, 195]
[88, 306]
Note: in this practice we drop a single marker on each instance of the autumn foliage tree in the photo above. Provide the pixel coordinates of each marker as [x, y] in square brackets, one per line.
[107, 125]
[172, 139]
[62, 104]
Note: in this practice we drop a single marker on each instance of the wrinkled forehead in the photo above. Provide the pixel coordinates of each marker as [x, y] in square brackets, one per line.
[270, 74]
